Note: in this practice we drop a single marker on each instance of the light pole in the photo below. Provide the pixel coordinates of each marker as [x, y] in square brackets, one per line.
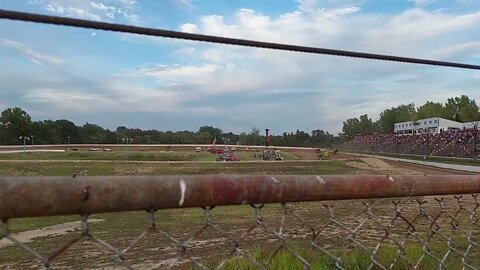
[25, 138]
[68, 145]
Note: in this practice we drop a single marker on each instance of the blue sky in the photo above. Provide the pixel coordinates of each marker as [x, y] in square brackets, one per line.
[115, 79]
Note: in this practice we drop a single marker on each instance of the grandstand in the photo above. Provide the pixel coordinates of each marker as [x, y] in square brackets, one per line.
[430, 137]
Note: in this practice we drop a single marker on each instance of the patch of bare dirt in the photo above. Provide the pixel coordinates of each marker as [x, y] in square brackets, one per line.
[135, 171]
[377, 163]
[359, 165]
[54, 230]
[16, 172]
[395, 167]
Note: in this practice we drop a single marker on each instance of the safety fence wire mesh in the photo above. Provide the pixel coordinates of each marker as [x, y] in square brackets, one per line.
[407, 233]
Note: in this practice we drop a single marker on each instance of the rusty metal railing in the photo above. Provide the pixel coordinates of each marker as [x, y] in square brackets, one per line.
[313, 222]
[89, 195]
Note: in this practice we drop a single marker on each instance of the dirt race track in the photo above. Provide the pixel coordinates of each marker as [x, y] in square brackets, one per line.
[398, 167]
[156, 251]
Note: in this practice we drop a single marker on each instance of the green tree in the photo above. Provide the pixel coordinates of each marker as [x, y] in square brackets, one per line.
[366, 125]
[204, 138]
[67, 129]
[321, 138]
[243, 137]
[45, 132]
[302, 138]
[394, 115]
[430, 109]
[254, 136]
[355, 126]
[92, 133]
[213, 131]
[351, 127]
[15, 122]
[461, 109]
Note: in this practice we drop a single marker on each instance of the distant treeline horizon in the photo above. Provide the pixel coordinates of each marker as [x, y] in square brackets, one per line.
[16, 123]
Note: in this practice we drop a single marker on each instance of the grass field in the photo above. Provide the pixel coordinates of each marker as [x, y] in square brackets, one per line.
[59, 168]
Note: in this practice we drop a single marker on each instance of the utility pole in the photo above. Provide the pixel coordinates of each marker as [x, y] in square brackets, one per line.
[68, 146]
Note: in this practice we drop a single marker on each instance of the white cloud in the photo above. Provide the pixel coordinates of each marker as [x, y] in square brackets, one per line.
[186, 3]
[99, 10]
[100, 6]
[301, 90]
[188, 27]
[72, 12]
[423, 3]
[421, 24]
[366, 86]
[471, 49]
[115, 96]
[128, 2]
[176, 74]
[31, 54]
[71, 99]
[185, 51]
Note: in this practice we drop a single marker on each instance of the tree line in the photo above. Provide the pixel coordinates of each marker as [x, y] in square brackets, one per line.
[460, 109]
[16, 123]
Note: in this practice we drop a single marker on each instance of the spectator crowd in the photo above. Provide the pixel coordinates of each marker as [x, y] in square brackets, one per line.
[452, 142]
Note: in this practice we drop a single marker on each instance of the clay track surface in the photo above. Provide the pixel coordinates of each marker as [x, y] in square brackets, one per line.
[424, 169]
[397, 167]
[350, 212]
[159, 161]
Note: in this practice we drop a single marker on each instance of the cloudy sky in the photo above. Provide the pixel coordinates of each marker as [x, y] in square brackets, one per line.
[115, 79]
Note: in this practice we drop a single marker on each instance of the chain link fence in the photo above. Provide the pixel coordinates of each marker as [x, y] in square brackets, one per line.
[402, 231]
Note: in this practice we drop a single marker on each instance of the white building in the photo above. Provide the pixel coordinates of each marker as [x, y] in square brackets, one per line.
[471, 124]
[429, 125]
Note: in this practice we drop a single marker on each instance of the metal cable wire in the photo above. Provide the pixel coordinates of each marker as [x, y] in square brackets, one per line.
[38, 18]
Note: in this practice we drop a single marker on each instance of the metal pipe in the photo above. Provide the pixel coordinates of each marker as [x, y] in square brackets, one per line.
[45, 196]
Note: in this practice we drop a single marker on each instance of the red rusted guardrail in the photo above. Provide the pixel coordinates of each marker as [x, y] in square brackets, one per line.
[43, 196]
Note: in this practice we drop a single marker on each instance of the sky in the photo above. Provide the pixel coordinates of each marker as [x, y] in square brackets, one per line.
[117, 79]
